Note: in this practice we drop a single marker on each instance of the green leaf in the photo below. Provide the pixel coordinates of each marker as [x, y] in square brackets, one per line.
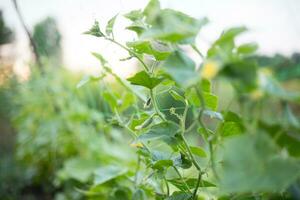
[148, 47]
[287, 139]
[179, 196]
[205, 85]
[223, 47]
[231, 33]
[190, 182]
[108, 173]
[198, 151]
[181, 68]
[87, 79]
[242, 74]
[95, 30]
[138, 26]
[139, 194]
[78, 169]
[253, 163]
[230, 129]
[247, 48]
[134, 15]
[161, 164]
[161, 131]
[172, 26]
[182, 161]
[176, 96]
[111, 99]
[110, 25]
[210, 100]
[151, 10]
[142, 78]
[100, 58]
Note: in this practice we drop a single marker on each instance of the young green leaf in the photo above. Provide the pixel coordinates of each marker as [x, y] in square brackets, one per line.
[198, 151]
[249, 48]
[134, 15]
[87, 79]
[110, 25]
[100, 58]
[161, 164]
[95, 30]
[142, 78]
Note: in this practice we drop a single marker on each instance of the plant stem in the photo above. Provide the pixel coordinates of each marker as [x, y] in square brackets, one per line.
[31, 40]
[130, 52]
[183, 119]
[157, 111]
[185, 184]
[197, 185]
[198, 51]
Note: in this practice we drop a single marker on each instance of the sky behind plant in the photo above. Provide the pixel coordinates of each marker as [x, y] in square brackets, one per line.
[273, 24]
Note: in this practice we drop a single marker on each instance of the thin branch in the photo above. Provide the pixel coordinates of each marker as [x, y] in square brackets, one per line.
[31, 40]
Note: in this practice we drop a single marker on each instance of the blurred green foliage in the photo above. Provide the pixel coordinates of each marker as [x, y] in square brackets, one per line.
[47, 38]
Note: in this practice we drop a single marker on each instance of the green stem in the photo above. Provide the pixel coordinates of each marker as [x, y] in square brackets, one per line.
[197, 185]
[185, 184]
[157, 111]
[198, 51]
[189, 150]
[124, 84]
[129, 51]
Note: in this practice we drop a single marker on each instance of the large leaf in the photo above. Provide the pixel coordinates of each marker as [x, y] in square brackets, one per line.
[181, 68]
[142, 78]
[252, 163]
[150, 48]
[78, 169]
[161, 131]
[107, 173]
[171, 26]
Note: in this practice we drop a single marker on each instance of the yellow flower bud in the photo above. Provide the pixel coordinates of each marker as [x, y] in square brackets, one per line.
[139, 144]
[210, 69]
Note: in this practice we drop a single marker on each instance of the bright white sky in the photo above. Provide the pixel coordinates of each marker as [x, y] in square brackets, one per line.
[273, 24]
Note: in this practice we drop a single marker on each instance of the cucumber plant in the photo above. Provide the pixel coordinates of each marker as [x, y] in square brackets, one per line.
[186, 147]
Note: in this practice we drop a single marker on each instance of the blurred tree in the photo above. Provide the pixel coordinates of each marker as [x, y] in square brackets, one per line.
[48, 40]
[6, 34]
